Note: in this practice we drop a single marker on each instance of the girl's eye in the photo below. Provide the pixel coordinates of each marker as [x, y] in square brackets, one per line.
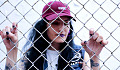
[67, 22]
[55, 23]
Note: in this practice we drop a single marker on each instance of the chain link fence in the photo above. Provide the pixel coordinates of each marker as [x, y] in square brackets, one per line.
[102, 15]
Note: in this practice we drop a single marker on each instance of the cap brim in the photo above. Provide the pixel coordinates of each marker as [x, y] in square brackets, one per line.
[54, 16]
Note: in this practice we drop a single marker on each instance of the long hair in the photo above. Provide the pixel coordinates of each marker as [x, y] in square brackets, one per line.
[37, 49]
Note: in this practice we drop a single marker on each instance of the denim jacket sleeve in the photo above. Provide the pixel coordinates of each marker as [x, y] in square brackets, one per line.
[78, 57]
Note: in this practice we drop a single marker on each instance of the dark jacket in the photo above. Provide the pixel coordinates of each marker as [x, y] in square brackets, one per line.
[74, 64]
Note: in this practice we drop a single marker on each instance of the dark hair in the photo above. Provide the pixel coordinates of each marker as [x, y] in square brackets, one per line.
[36, 51]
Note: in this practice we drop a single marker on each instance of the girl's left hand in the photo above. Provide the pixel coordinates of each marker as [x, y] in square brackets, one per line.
[95, 44]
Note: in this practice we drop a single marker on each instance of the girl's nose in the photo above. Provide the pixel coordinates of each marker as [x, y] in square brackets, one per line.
[61, 27]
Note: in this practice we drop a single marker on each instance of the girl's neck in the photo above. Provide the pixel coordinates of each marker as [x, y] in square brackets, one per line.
[56, 46]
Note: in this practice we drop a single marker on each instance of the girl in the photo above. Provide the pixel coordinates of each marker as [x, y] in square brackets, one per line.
[51, 43]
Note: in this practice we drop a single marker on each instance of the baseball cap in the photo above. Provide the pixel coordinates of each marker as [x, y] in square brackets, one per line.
[54, 9]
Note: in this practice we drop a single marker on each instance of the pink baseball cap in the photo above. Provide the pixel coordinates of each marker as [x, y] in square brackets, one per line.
[53, 8]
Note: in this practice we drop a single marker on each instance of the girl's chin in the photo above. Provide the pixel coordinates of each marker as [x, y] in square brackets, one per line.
[59, 41]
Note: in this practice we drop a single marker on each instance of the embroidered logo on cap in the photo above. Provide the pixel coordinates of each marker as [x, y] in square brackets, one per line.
[62, 8]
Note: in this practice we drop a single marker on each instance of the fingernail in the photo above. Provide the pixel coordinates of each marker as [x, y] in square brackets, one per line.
[7, 33]
[85, 42]
[7, 38]
[91, 34]
[13, 26]
[100, 42]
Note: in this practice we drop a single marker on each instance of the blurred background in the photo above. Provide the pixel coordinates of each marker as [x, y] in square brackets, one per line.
[102, 15]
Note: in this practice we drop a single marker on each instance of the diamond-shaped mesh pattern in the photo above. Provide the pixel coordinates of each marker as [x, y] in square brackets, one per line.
[102, 15]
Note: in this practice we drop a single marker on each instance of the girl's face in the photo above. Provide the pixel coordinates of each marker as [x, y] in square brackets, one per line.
[58, 31]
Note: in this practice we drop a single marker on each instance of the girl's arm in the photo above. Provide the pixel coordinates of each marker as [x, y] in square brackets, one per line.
[94, 47]
[90, 64]
[11, 60]
[10, 38]
[86, 62]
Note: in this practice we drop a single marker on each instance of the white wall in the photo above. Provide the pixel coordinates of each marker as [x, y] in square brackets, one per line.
[102, 15]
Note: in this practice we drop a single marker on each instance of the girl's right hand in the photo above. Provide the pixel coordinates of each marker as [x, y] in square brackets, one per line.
[10, 37]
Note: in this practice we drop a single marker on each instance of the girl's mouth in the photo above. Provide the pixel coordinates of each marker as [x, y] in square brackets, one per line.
[62, 35]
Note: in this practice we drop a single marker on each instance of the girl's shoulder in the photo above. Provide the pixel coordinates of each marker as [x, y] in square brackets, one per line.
[79, 49]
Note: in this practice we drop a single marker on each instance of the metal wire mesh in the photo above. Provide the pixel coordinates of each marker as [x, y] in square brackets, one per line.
[102, 15]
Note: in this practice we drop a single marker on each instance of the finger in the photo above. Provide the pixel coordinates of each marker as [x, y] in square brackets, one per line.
[99, 39]
[83, 43]
[104, 42]
[9, 34]
[7, 29]
[14, 27]
[95, 36]
[91, 32]
[3, 34]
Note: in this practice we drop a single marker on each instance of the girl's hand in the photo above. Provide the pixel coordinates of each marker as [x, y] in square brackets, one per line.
[95, 44]
[10, 37]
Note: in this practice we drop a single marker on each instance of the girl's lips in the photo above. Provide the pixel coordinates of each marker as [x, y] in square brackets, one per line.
[62, 35]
